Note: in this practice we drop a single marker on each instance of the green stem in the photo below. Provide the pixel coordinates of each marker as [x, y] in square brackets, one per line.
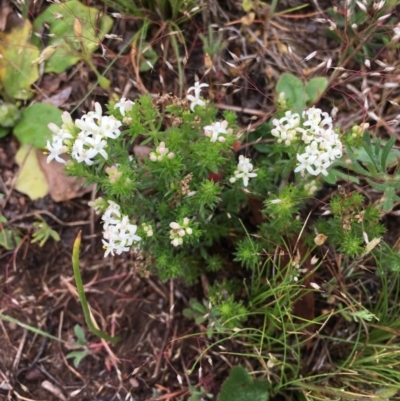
[82, 296]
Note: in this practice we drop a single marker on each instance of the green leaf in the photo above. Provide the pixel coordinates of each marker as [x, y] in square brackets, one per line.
[94, 26]
[80, 334]
[78, 356]
[17, 73]
[294, 91]
[386, 151]
[32, 129]
[148, 59]
[335, 174]
[4, 132]
[241, 387]
[368, 148]
[9, 239]
[389, 197]
[314, 88]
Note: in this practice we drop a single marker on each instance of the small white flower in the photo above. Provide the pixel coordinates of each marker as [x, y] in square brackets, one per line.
[287, 128]
[56, 149]
[119, 234]
[98, 144]
[195, 99]
[245, 175]
[214, 130]
[109, 127]
[244, 171]
[124, 106]
[244, 164]
[197, 88]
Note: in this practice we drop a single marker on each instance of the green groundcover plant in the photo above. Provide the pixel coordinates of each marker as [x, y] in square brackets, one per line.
[177, 189]
[174, 187]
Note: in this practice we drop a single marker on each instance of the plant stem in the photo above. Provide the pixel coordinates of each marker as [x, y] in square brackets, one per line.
[82, 296]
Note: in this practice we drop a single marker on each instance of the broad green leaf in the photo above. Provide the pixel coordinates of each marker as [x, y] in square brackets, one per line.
[92, 24]
[294, 91]
[32, 129]
[31, 181]
[314, 88]
[4, 132]
[17, 73]
[241, 387]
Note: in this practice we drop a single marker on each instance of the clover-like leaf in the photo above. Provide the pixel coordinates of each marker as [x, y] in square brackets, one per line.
[293, 88]
[32, 129]
[314, 88]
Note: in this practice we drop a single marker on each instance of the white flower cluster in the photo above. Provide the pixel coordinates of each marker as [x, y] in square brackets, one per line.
[214, 130]
[61, 140]
[119, 235]
[316, 131]
[160, 153]
[179, 231]
[286, 128]
[243, 170]
[84, 139]
[195, 99]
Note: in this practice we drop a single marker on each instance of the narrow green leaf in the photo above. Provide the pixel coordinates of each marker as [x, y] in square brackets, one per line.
[78, 356]
[30, 328]
[82, 295]
[389, 197]
[386, 151]
[368, 148]
[334, 174]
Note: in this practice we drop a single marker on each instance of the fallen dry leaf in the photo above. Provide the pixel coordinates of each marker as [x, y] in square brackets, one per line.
[61, 187]
[31, 181]
[59, 98]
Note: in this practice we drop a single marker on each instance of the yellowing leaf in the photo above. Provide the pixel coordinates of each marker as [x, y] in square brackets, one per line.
[17, 73]
[31, 181]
